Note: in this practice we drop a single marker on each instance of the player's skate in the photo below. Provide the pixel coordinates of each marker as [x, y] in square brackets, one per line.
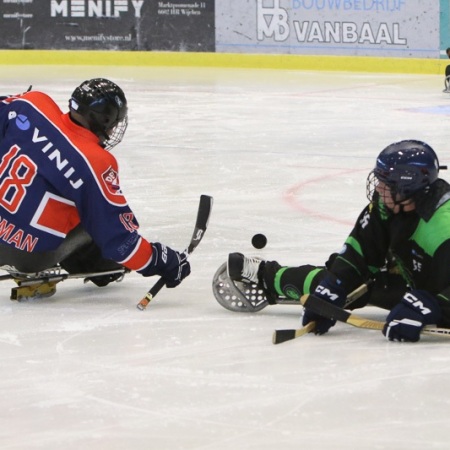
[243, 268]
[238, 296]
[236, 286]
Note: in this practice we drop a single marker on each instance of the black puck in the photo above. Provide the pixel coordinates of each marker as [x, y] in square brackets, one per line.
[259, 241]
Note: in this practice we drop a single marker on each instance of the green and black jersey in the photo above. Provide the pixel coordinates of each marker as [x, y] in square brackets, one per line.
[417, 244]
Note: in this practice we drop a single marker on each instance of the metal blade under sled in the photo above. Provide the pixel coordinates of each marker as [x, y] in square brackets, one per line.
[43, 283]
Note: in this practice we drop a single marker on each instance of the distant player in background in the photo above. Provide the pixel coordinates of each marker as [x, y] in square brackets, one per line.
[447, 74]
[401, 240]
[60, 197]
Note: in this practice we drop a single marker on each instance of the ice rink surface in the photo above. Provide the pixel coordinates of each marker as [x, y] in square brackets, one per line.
[285, 154]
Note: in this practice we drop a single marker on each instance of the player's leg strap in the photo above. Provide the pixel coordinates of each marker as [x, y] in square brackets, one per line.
[290, 282]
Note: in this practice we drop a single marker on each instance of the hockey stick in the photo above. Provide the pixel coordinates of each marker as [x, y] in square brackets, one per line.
[330, 311]
[204, 211]
[280, 336]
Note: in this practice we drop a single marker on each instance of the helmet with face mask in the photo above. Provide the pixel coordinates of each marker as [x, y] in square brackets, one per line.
[103, 106]
[407, 168]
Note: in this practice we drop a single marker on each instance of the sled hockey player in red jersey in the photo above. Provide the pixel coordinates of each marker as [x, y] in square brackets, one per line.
[401, 242]
[61, 206]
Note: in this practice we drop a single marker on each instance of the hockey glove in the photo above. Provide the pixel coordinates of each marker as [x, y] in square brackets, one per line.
[331, 290]
[406, 320]
[171, 265]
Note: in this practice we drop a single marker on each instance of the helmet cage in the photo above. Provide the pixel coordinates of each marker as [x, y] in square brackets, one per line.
[103, 106]
[115, 135]
[406, 168]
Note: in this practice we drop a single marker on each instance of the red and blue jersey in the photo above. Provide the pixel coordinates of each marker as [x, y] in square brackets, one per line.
[54, 175]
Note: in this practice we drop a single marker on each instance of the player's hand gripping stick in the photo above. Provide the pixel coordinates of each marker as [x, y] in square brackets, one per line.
[203, 214]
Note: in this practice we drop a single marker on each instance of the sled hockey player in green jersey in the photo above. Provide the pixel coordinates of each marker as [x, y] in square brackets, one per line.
[400, 244]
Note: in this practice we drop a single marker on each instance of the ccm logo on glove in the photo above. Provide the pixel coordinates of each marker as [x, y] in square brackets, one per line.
[407, 319]
[331, 290]
[325, 292]
[414, 301]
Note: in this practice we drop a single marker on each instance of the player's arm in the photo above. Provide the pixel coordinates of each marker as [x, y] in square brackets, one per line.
[106, 216]
[352, 266]
[116, 231]
[364, 250]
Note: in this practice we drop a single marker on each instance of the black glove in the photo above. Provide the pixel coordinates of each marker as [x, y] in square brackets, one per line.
[171, 265]
[331, 290]
[406, 320]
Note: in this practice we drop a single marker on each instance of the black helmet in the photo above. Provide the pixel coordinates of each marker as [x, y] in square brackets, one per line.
[104, 107]
[406, 167]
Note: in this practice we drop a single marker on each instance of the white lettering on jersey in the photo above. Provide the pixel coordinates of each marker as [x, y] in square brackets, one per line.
[365, 220]
[55, 156]
[17, 237]
[417, 266]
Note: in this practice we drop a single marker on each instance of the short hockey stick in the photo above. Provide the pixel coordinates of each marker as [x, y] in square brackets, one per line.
[280, 336]
[330, 311]
[204, 211]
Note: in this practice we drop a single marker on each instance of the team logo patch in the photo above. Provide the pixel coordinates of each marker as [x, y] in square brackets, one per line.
[21, 121]
[292, 292]
[111, 179]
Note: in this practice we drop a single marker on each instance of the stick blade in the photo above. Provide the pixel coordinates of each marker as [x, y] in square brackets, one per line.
[280, 336]
[201, 224]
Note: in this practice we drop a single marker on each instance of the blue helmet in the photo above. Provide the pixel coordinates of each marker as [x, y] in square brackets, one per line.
[406, 167]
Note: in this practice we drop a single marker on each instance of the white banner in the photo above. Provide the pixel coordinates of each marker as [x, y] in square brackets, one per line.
[397, 28]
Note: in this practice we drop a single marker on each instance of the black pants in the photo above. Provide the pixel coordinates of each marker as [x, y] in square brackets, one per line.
[385, 290]
[88, 259]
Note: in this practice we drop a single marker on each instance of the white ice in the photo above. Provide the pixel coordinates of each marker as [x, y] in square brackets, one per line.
[283, 153]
